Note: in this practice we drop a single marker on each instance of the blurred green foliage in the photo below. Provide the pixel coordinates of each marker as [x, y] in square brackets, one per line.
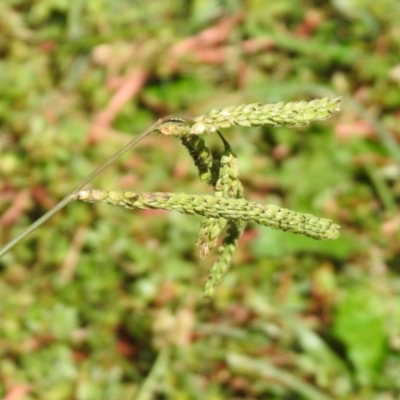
[104, 303]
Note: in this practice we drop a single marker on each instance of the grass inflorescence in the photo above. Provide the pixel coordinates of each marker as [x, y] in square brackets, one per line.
[227, 206]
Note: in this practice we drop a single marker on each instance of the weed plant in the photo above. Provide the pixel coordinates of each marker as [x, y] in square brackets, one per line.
[227, 207]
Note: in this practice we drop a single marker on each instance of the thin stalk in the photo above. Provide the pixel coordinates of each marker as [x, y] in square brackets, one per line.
[85, 181]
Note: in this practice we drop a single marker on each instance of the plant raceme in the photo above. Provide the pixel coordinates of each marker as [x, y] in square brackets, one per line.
[227, 208]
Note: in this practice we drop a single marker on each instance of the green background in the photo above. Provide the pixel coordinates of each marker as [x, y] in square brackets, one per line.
[104, 303]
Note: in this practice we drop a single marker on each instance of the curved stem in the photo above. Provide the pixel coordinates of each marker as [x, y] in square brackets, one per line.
[86, 180]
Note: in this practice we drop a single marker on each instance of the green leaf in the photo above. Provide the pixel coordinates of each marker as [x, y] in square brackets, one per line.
[359, 325]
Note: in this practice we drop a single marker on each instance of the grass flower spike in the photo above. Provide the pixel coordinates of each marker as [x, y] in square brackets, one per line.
[218, 207]
[280, 114]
